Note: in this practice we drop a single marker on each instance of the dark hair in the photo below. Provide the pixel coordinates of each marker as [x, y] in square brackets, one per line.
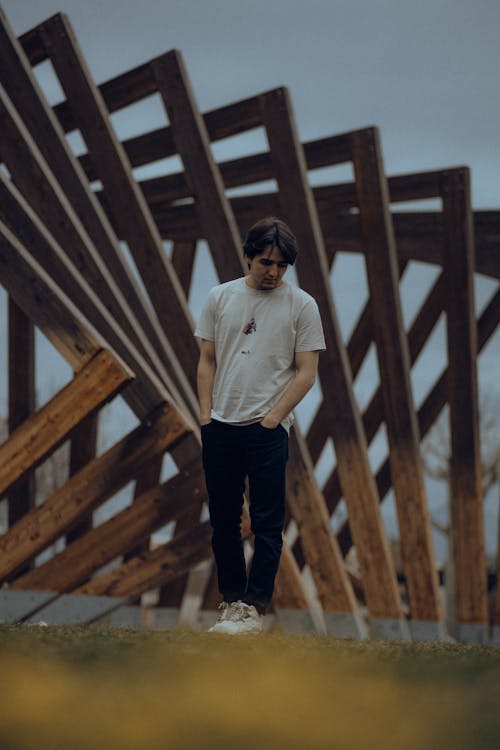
[274, 232]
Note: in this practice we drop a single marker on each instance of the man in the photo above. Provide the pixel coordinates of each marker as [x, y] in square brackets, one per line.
[260, 342]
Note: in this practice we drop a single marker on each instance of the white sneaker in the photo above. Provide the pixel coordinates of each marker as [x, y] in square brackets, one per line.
[238, 617]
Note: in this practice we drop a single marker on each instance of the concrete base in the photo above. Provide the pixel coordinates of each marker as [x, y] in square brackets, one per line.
[495, 635]
[15, 606]
[296, 621]
[70, 609]
[472, 632]
[389, 629]
[345, 625]
[429, 630]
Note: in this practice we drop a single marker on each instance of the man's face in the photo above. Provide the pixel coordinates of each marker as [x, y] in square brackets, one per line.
[266, 269]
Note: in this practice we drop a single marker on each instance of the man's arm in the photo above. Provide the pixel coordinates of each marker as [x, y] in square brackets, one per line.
[307, 366]
[205, 379]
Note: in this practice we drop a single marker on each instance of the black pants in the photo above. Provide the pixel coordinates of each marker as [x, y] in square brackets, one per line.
[230, 453]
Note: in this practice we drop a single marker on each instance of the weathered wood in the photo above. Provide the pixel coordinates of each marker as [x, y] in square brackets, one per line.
[431, 407]
[201, 172]
[21, 373]
[37, 295]
[471, 602]
[106, 269]
[147, 480]
[82, 450]
[127, 530]
[289, 591]
[54, 312]
[319, 543]
[394, 368]
[39, 435]
[127, 204]
[154, 568]
[343, 415]
[91, 486]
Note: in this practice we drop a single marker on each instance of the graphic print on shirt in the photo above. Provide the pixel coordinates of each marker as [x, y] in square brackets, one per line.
[250, 327]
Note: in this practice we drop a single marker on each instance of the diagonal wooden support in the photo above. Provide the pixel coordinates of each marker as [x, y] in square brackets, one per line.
[120, 535]
[183, 257]
[319, 544]
[130, 210]
[58, 318]
[154, 568]
[465, 464]
[431, 407]
[89, 487]
[202, 174]
[21, 367]
[343, 416]
[83, 449]
[93, 386]
[394, 367]
[106, 269]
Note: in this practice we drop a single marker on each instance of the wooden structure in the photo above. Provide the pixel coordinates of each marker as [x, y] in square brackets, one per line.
[63, 222]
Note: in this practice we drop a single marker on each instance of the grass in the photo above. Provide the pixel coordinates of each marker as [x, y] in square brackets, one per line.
[76, 688]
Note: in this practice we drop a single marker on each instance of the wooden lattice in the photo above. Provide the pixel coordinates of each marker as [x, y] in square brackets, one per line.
[64, 271]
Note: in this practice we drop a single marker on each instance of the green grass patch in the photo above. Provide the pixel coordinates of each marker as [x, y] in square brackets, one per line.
[76, 688]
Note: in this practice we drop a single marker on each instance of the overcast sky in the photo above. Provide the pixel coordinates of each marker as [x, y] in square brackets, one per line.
[426, 73]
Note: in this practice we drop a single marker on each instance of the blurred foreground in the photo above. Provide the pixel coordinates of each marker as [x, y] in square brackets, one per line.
[81, 688]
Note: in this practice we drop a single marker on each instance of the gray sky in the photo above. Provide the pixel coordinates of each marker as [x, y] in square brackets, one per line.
[426, 73]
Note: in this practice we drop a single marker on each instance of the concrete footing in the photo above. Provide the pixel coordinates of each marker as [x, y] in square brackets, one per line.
[345, 625]
[389, 629]
[428, 630]
[472, 632]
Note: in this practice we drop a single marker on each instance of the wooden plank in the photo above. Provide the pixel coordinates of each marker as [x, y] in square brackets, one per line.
[106, 269]
[418, 234]
[289, 591]
[321, 551]
[36, 294]
[39, 435]
[202, 175]
[432, 406]
[343, 416]
[148, 479]
[54, 312]
[154, 568]
[394, 369]
[127, 204]
[21, 395]
[126, 531]
[91, 486]
[471, 600]
[82, 450]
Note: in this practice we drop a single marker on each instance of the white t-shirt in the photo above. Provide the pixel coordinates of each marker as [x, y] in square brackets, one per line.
[256, 335]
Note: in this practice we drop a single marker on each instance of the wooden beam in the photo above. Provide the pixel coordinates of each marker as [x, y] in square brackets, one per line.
[90, 487]
[130, 210]
[431, 407]
[101, 254]
[39, 435]
[201, 172]
[319, 544]
[82, 450]
[21, 375]
[343, 416]
[154, 568]
[120, 535]
[394, 369]
[56, 314]
[471, 600]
